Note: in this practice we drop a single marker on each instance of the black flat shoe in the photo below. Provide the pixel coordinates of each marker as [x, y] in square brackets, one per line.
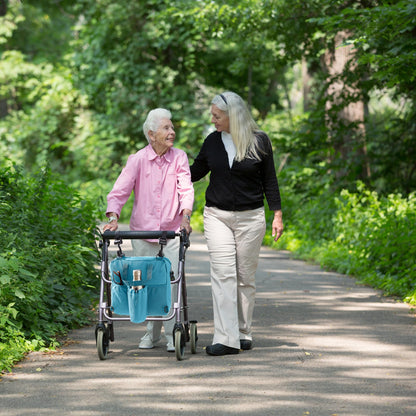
[246, 344]
[220, 349]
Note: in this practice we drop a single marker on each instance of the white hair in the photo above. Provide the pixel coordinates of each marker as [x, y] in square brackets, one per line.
[243, 128]
[153, 120]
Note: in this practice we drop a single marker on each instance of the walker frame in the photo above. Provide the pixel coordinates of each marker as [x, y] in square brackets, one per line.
[184, 330]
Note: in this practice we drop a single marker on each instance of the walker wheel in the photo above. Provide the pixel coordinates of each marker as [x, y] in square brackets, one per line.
[193, 337]
[102, 343]
[179, 345]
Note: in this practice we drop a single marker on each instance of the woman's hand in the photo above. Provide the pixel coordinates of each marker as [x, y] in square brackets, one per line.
[277, 225]
[186, 221]
[113, 224]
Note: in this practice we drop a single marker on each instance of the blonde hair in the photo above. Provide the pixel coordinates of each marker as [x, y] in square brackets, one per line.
[243, 128]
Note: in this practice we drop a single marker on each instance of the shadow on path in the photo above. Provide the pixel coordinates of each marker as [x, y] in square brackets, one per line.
[323, 346]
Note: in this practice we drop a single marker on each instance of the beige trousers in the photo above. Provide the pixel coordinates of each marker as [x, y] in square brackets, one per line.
[143, 248]
[234, 240]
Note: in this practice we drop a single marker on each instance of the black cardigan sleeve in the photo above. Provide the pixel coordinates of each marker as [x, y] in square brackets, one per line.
[200, 166]
[268, 172]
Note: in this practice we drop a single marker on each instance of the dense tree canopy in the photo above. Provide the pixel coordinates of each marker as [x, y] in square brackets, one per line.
[91, 70]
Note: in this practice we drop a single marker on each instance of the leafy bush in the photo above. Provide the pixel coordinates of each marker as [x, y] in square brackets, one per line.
[379, 234]
[359, 233]
[47, 257]
[13, 343]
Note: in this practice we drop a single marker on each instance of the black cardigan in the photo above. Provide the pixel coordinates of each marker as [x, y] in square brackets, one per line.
[244, 185]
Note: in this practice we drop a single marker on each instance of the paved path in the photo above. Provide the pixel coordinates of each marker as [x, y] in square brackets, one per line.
[323, 347]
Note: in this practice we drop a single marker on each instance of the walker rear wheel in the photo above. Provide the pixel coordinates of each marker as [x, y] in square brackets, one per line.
[193, 337]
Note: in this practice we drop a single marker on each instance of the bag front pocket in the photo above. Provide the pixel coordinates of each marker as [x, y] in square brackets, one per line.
[137, 300]
[119, 302]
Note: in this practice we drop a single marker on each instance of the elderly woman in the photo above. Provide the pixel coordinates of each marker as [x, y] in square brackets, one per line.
[163, 198]
[240, 159]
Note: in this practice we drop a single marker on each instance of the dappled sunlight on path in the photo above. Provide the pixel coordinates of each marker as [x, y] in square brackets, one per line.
[322, 346]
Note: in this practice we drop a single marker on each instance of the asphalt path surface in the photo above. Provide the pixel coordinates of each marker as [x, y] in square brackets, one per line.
[323, 346]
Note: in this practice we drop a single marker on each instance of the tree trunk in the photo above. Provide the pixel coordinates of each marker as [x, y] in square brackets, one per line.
[345, 111]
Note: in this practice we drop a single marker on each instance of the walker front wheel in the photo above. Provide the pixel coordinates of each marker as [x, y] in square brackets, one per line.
[179, 345]
[103, 343]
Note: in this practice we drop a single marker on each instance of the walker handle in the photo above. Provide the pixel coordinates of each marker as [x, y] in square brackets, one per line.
[137, 235]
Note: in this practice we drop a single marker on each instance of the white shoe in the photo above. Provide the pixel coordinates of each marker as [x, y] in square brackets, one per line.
[146, 342]
[169, 345]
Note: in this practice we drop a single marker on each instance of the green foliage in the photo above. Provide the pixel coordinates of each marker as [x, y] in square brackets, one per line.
[47, 253]
[128, 60]
[13, 343]
[43, 130]
[9, 22]
[28, 26]
[359, 233]
[53, 124]
[384, 37]
[378, 233]
[223, 40]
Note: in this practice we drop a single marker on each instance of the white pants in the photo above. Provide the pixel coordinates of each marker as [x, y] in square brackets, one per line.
[234, 240]
[143, 248]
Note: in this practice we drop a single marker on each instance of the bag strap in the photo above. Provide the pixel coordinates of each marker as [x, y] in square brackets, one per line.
[118, 242]
[162, 241]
